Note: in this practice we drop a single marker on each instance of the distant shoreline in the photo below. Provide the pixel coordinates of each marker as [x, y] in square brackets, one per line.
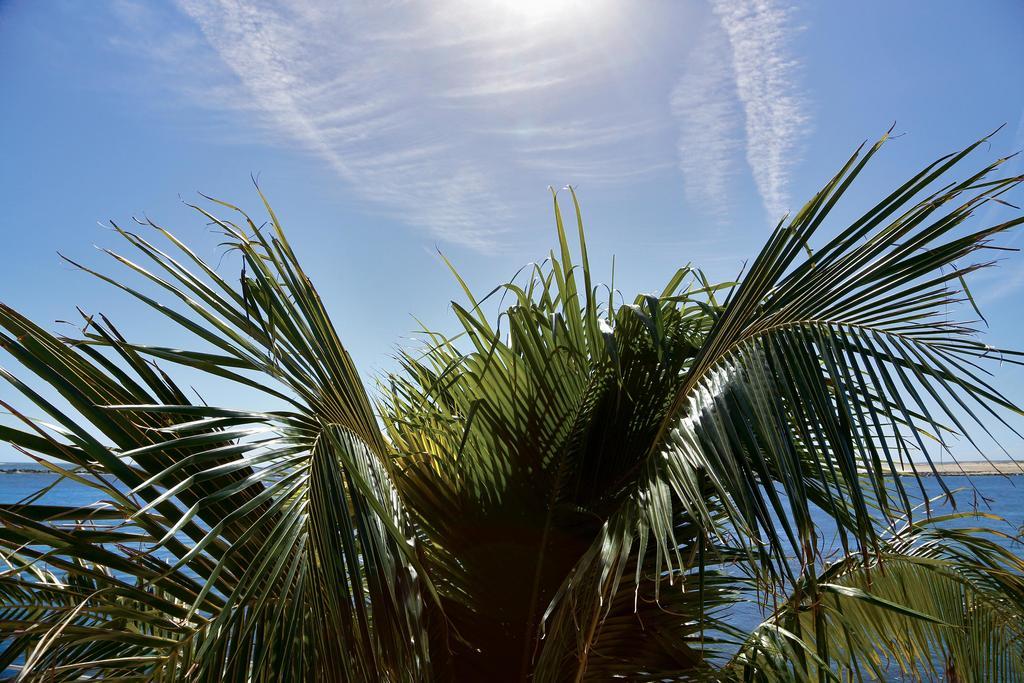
[973, 468]
[15, 469]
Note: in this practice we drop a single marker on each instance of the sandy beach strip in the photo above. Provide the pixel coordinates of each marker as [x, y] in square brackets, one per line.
[968, 467]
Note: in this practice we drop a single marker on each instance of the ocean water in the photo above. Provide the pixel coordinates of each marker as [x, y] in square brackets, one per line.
[999, 495]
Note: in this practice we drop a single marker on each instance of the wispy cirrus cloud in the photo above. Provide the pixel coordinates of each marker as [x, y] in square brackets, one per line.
[434, 113]
[311, 75]
[759, 32]
[594, 152]
[738, 92]
[454, 115]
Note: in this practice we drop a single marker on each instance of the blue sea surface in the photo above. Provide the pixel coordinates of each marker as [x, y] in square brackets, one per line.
[15, 488]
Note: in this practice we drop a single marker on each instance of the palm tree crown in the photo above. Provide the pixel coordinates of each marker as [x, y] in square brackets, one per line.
[576, 489]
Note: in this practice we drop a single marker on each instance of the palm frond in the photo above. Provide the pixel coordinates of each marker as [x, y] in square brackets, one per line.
[274, 541]
[937, 602]
[572, 489]
[819, 379]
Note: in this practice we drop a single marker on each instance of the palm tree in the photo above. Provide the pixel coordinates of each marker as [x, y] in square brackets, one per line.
[576, 489]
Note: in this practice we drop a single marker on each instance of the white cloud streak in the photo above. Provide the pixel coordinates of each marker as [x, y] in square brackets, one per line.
[309, 76]
[765, 73]
[425, 111]
[454, 116]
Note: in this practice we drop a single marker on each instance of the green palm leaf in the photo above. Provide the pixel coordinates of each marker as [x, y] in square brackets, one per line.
[570, 490]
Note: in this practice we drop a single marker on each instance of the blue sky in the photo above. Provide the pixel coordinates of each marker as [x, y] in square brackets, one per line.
[383, 132]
